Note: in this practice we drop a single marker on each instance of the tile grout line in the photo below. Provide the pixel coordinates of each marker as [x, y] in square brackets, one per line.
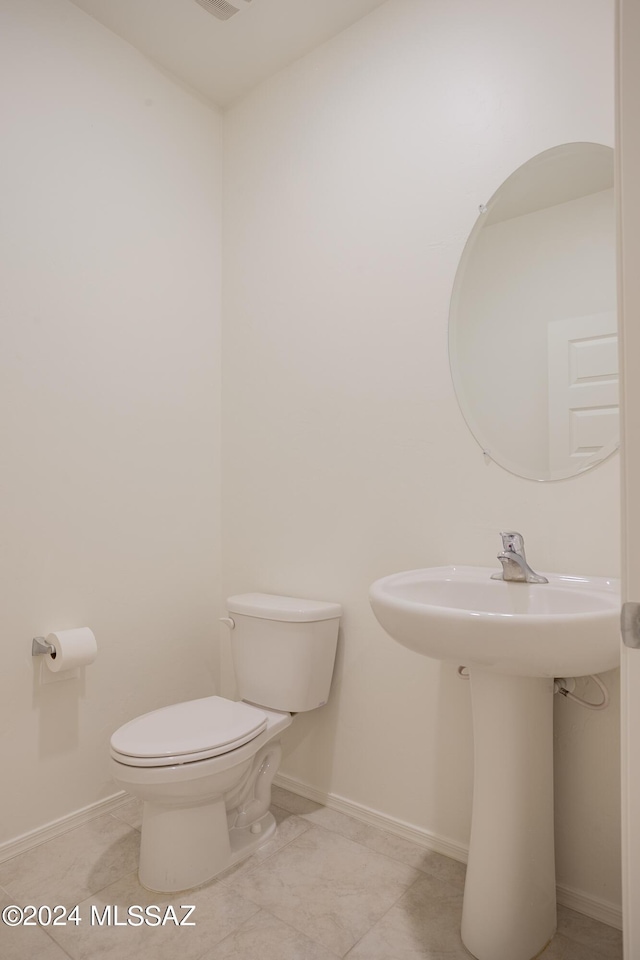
[380, 918]
[66, 952]
[121, 820]
[434, 876]
[420, 875]
[209, 949]
[424, 873]
[592, 907]
[228, 882]
[278, 920]
[89, 896]
[383, 832]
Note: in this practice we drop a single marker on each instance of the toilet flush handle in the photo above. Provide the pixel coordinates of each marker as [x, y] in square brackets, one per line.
[229, 622]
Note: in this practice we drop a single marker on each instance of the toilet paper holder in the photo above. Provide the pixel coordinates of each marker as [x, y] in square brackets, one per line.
[40, 646]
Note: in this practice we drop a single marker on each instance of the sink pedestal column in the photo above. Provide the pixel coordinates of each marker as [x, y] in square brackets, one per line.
[510, 893]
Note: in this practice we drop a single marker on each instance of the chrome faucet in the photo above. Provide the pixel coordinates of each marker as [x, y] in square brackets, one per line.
[514, 563]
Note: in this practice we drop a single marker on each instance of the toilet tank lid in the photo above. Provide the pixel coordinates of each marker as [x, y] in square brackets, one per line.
[267, 606]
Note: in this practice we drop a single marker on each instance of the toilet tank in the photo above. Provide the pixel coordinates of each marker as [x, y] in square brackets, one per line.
[283, 649]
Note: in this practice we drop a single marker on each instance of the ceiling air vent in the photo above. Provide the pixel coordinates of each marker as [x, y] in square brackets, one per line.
[222, 9]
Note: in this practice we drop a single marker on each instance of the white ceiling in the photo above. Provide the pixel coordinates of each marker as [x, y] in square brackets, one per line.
[224, 59]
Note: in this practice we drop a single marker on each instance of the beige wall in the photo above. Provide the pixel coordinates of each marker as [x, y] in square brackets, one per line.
[109, 383]
[352, 180]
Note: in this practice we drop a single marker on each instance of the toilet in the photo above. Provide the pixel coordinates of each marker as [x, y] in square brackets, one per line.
[204, 768]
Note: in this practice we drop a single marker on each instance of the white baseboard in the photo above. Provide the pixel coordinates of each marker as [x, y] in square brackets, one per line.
[26, 841]
[590, 906]
[422, 838]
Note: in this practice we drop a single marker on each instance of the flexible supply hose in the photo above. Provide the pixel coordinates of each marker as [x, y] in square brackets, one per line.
[587, 703]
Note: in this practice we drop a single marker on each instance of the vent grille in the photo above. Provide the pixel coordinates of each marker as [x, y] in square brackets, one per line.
[219, 8]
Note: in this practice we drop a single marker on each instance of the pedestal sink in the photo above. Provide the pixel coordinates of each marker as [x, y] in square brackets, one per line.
[514, 638]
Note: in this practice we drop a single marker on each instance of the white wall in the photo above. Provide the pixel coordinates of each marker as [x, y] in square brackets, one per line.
[109, 383]
[352, 180]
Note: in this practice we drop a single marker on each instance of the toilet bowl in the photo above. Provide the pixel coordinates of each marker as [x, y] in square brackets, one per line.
[200, 815]
[204, 768]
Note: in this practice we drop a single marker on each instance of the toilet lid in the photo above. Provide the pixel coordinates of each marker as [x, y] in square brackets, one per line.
[189, 731]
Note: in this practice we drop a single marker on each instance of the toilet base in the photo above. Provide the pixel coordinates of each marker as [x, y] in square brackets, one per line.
[246, 840]
[182, 849]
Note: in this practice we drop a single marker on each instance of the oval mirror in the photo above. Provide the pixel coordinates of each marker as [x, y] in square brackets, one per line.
[532, 326]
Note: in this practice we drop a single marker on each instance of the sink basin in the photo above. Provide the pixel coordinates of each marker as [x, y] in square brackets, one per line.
[568, 627]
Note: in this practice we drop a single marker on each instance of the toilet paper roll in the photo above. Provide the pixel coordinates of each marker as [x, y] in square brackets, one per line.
[72, 648]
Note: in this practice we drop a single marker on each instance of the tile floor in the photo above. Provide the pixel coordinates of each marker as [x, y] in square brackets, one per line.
[325, 887]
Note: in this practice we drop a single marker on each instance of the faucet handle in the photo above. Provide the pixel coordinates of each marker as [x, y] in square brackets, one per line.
[512, 542]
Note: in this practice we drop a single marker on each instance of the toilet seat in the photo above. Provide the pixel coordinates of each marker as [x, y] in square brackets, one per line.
[186, 732]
